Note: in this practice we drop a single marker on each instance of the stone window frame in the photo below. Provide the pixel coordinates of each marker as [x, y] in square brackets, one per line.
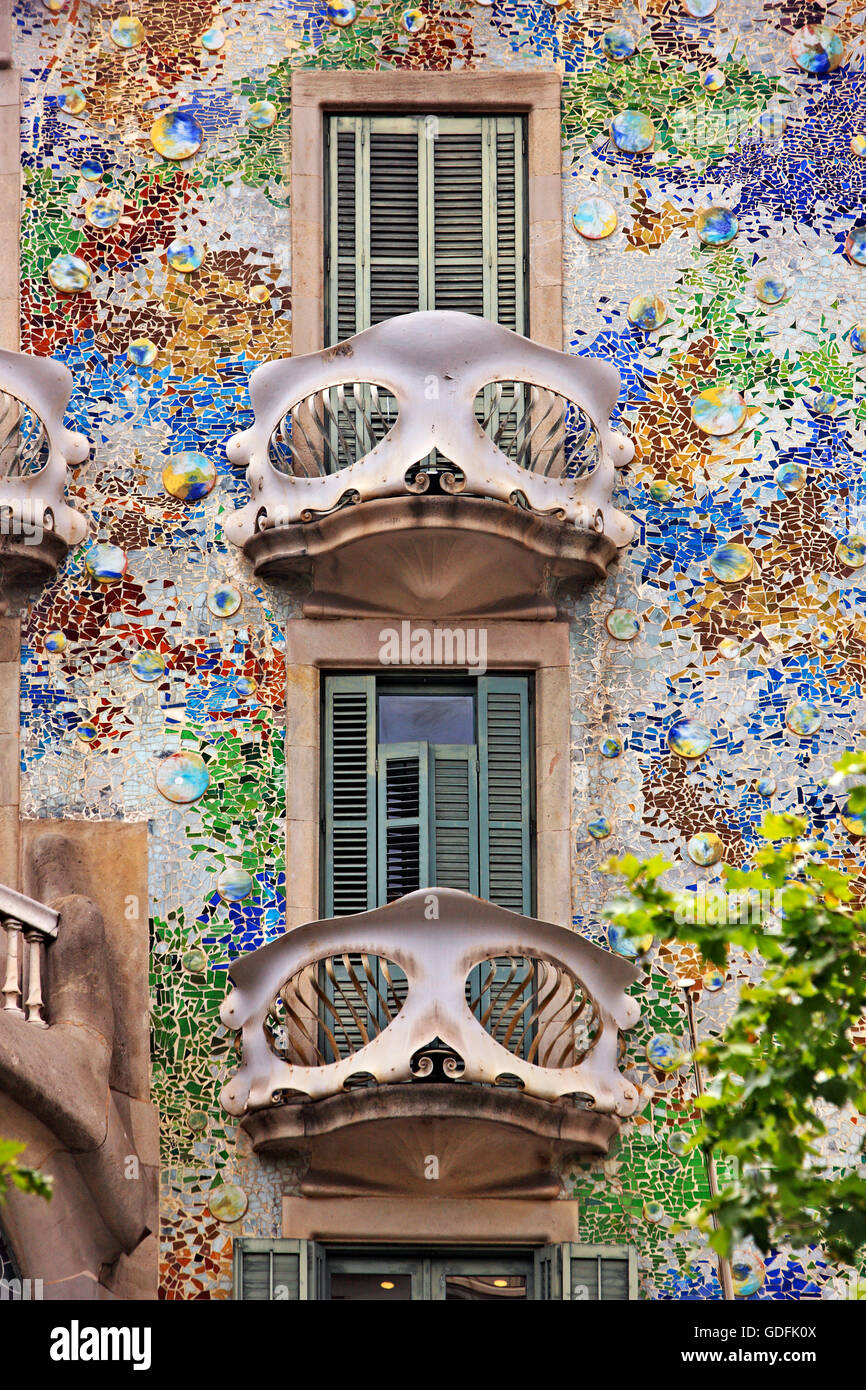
[317, 646]
[537, 95]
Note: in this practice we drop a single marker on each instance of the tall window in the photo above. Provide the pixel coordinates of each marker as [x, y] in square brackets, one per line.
[424, 212]
[426, 783]
[290, 1270]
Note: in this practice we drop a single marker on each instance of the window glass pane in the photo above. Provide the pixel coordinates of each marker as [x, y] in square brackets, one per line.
[426, 718]
[479, 1288]
[371, 1288]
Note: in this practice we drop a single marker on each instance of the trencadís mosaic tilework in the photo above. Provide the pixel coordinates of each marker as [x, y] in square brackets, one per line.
[713, 193]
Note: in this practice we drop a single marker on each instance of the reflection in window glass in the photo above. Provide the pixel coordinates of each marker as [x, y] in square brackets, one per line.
[426, 718]
[478, 1288]
[371, 1288]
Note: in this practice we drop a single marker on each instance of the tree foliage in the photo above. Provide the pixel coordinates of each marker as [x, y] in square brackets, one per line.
[790, 1055]
[15, 1174]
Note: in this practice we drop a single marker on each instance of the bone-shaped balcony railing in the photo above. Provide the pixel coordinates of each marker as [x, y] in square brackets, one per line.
[379, 997]
[35, 452]
[437, 395]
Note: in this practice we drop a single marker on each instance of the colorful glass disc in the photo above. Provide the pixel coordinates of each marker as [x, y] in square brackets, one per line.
[234, 884]
[213, 39]
[342, 13]
[185, 256]
[176, 135]
[127, 31]
[700, 9]
[189, 476]
[647, 311]
[72, 100]
[664, 1052]
[104, 212]
[599, 829]
[857, 337]
[69, 274]
[594, 218]
[86, 732]
[633, 132]
[622, 624]
[223, 600]
[105, 563]
[610, 747]
[803, 718]
[855, 245]
[261, 114]
[747, 1273]
[147, 666]
[705, 848]
[91, 170]
[414, 22]
[766, 786]
[618, 43]
[770, 290]
[688, 738]
[54, 641]
[858, 145]
[732, 563]
[227, 1203]
[716, 226]
[854, 822]
[852, 551]
[142, 352]
[817, 48]
[791, 477]
[182, 777]
[719, 410]
[713, 80]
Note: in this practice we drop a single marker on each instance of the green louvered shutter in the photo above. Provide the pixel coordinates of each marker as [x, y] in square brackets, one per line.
[349, 780]
[403, 821]
[406, 816]
[505, 791]
[278, 1270]
[454, 816]
[424, 212]
[586, 1273]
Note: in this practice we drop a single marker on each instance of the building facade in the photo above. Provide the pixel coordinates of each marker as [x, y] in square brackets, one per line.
[449, 481]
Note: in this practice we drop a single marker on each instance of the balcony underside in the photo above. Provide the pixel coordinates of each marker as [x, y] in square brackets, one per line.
[23, 562]
[440, 557]
[496, 1143]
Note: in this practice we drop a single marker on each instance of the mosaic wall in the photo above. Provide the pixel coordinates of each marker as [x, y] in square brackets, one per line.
[714, 175]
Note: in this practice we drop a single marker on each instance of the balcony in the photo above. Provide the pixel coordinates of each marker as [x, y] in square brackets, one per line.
[374, 1041]
[37, 528]
[377, 466]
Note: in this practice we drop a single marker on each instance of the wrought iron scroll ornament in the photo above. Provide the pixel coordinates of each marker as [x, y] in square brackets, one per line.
[436, 959]
[434, 365]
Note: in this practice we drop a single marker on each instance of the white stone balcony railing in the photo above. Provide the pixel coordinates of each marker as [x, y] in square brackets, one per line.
[431, 422]
[29, 927]
[390, 998]
[37, 527]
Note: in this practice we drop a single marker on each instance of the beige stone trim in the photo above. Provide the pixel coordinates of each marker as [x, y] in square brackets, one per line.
[313, 647]
[453, 1220]
[537, 94]
[10, 190]
[10, 686]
